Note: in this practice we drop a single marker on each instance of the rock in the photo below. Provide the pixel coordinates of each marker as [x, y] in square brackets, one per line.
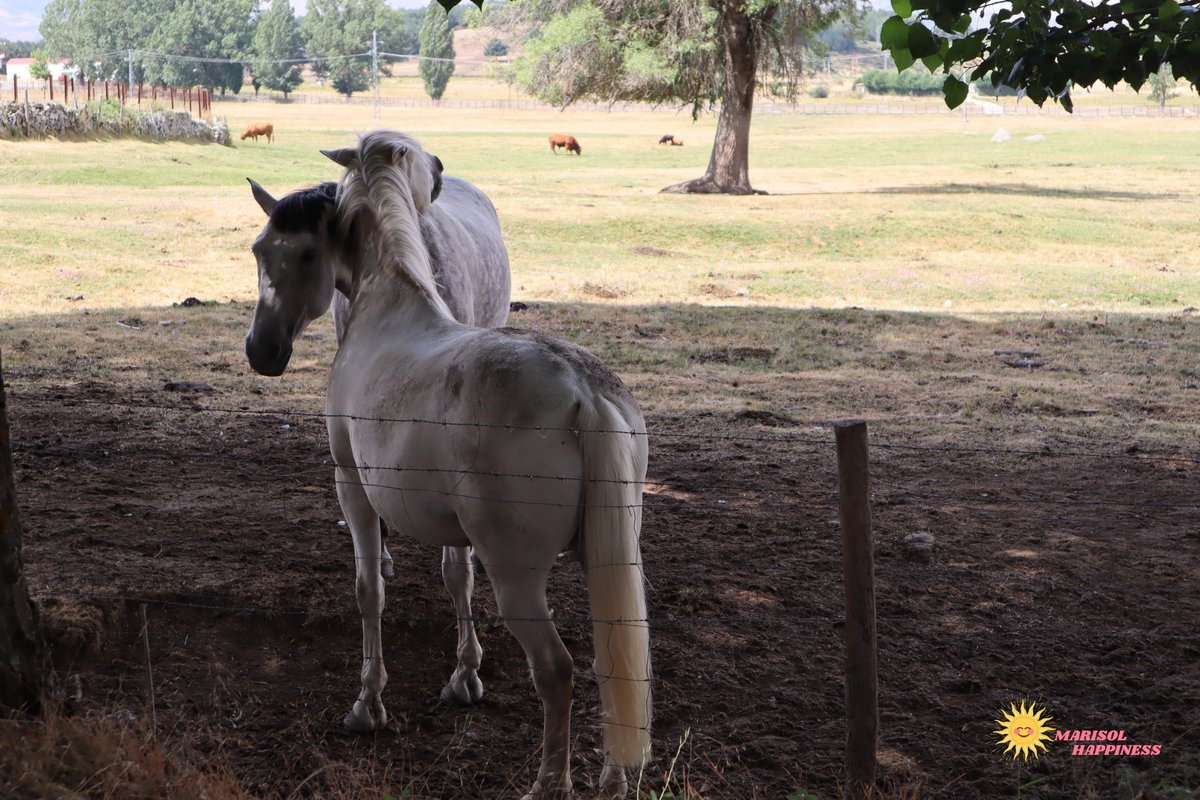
[918, 546]
[1001, 135]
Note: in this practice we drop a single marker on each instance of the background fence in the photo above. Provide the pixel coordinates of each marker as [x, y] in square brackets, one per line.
[864, 107]
[66, 90]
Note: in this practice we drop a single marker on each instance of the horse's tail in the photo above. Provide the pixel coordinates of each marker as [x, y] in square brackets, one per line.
[614, 468]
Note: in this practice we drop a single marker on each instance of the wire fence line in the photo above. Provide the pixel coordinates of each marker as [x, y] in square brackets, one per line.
[799, 499]
[1048, 451]
[1016, 625]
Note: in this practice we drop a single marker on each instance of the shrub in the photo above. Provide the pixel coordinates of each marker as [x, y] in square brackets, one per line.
[984, 87]
[495, 48]
[819, 92]
[909, 82]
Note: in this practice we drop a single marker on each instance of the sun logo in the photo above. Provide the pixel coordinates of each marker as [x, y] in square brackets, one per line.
[1023, 730]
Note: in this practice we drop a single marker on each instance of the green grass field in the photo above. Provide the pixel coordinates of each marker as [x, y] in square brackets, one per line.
[902, 213]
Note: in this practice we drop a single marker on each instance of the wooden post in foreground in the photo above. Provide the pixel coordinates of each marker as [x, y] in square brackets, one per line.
[24, 666]
[862, 678]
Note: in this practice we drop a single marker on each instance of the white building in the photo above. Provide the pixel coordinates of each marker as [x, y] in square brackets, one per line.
[19, 67]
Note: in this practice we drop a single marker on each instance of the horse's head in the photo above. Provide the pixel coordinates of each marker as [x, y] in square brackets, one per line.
[296, 272]
[423, 170]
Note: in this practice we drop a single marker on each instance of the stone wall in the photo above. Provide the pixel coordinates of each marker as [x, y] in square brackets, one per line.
[38, 120]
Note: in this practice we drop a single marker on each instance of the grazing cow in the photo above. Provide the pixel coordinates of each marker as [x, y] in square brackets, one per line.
[667, 139]
[558, 140]
[257, 129]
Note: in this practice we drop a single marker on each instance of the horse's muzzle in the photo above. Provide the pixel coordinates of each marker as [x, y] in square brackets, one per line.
[268, 356]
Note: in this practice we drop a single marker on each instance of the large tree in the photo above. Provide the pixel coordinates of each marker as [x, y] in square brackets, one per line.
[1044, 48]
[202, 29]
[170, 38]
[700, 52]
[276, 43]
[437, 51]
[337, 33]
[96, 34]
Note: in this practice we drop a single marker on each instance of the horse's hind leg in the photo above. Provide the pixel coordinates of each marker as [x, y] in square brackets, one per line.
[367, 713]
[464, 687]
[521, 598]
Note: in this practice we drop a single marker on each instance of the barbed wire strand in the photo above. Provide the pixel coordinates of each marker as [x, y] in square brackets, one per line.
[787, 438]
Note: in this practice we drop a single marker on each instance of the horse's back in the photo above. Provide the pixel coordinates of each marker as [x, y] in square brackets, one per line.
[462, 232]
[501, 402]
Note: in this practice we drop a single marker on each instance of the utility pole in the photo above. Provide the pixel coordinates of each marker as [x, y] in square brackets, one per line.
[375, 68]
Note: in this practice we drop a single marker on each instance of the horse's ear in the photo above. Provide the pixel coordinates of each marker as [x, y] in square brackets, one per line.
[398, 155]
[265, 201]
[345, 156]
[437, 178]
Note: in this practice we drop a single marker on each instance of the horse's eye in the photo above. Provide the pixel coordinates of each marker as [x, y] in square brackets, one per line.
[307, 255]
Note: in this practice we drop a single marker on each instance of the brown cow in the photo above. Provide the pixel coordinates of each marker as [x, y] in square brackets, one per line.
[558, 140]
[257, 129]
[676, 142]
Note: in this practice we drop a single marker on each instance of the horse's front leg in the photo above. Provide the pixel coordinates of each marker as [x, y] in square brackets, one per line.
[464, 687]
[368, 713]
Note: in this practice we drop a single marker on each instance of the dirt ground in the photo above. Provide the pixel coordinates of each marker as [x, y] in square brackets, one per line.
[1064, 579]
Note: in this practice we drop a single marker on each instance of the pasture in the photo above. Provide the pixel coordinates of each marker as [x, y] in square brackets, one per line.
[892, 260]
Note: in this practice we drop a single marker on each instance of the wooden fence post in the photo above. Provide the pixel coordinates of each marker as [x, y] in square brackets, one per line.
[24, 665]
[862, 678]
[50, 83]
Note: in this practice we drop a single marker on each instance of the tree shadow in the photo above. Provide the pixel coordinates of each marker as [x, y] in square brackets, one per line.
[1013, 189]
[1026, 189]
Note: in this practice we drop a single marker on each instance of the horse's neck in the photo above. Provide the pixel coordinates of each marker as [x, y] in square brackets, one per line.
[381, 295]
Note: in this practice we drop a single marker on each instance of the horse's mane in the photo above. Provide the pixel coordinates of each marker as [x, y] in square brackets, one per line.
[381, 192]
[302, 210]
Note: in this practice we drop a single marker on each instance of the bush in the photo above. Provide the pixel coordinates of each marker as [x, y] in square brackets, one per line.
[495, 48]
[819, 92]
[886, 81]
[984, 87]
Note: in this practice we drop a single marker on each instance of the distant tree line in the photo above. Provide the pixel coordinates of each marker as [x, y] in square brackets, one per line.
[17, 49]
[172, 39]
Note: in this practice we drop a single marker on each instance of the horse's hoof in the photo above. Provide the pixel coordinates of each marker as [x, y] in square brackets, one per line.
[538, 793]
[360, 719]
[387, 569]
[467, 695]
[613, 783]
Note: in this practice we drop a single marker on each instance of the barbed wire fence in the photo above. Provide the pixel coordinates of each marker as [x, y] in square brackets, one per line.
[860, 622]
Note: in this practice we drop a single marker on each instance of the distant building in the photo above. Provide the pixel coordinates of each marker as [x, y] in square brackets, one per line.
[19, 67]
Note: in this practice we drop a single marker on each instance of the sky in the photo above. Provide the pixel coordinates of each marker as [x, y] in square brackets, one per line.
[19, 19]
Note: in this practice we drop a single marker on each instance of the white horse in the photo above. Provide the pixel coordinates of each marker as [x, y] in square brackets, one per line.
[470, 264]
[520, 445]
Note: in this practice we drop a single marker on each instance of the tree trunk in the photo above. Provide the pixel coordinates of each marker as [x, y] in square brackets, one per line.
[24, 667]
[729, 166]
